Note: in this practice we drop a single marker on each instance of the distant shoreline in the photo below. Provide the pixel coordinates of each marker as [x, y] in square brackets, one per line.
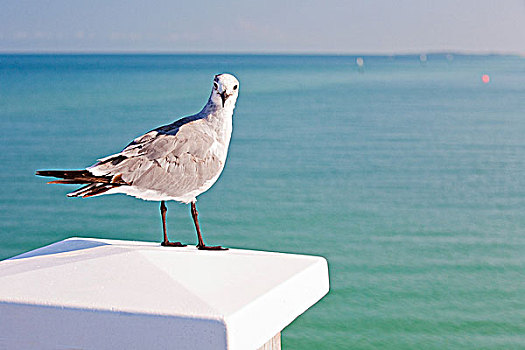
[262, 54]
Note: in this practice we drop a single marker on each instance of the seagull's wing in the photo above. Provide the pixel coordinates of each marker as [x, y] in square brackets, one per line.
[176, 157]
[147, 143]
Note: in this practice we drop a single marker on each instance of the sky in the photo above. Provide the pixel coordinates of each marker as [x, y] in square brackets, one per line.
[264, 26]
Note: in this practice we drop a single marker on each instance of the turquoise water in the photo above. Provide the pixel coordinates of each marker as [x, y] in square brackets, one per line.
[409, 178]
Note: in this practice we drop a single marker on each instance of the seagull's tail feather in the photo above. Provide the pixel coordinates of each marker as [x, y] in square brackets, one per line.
[91, 190]
[96, 185]
[63, 174]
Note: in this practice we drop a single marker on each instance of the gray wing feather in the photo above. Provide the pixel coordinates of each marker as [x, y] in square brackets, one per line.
[174, 160]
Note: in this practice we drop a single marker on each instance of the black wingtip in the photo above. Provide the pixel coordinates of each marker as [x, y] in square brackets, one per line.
[64, 174]
[46, 173]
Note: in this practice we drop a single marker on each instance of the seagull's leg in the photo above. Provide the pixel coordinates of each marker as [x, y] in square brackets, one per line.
[166, 242]
[201, 245]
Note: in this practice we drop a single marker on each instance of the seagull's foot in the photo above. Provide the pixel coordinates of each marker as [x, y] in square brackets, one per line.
[172, 244]
[207, 247]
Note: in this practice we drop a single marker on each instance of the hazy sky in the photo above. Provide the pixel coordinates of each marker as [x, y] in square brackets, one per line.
[330, 26]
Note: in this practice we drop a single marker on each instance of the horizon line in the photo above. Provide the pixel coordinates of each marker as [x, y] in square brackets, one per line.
[263, 53]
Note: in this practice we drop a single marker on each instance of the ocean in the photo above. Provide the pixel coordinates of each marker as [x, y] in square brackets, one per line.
[408, 175]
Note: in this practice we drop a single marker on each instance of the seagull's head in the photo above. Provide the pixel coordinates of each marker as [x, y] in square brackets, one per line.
[225, 90]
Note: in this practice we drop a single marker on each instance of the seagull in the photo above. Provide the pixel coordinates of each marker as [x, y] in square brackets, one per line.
[178, 161]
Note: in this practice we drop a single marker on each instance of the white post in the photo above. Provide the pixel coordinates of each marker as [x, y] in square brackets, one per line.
[272, 344]
[84, 293]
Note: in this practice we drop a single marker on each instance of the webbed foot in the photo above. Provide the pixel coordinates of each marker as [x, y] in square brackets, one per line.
[172, 244]
[207, 247]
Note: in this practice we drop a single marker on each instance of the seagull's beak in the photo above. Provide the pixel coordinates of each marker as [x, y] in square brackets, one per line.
[224, 96]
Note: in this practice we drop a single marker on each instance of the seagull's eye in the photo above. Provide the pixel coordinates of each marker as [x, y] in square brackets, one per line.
[215, 85]
[235, 87]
